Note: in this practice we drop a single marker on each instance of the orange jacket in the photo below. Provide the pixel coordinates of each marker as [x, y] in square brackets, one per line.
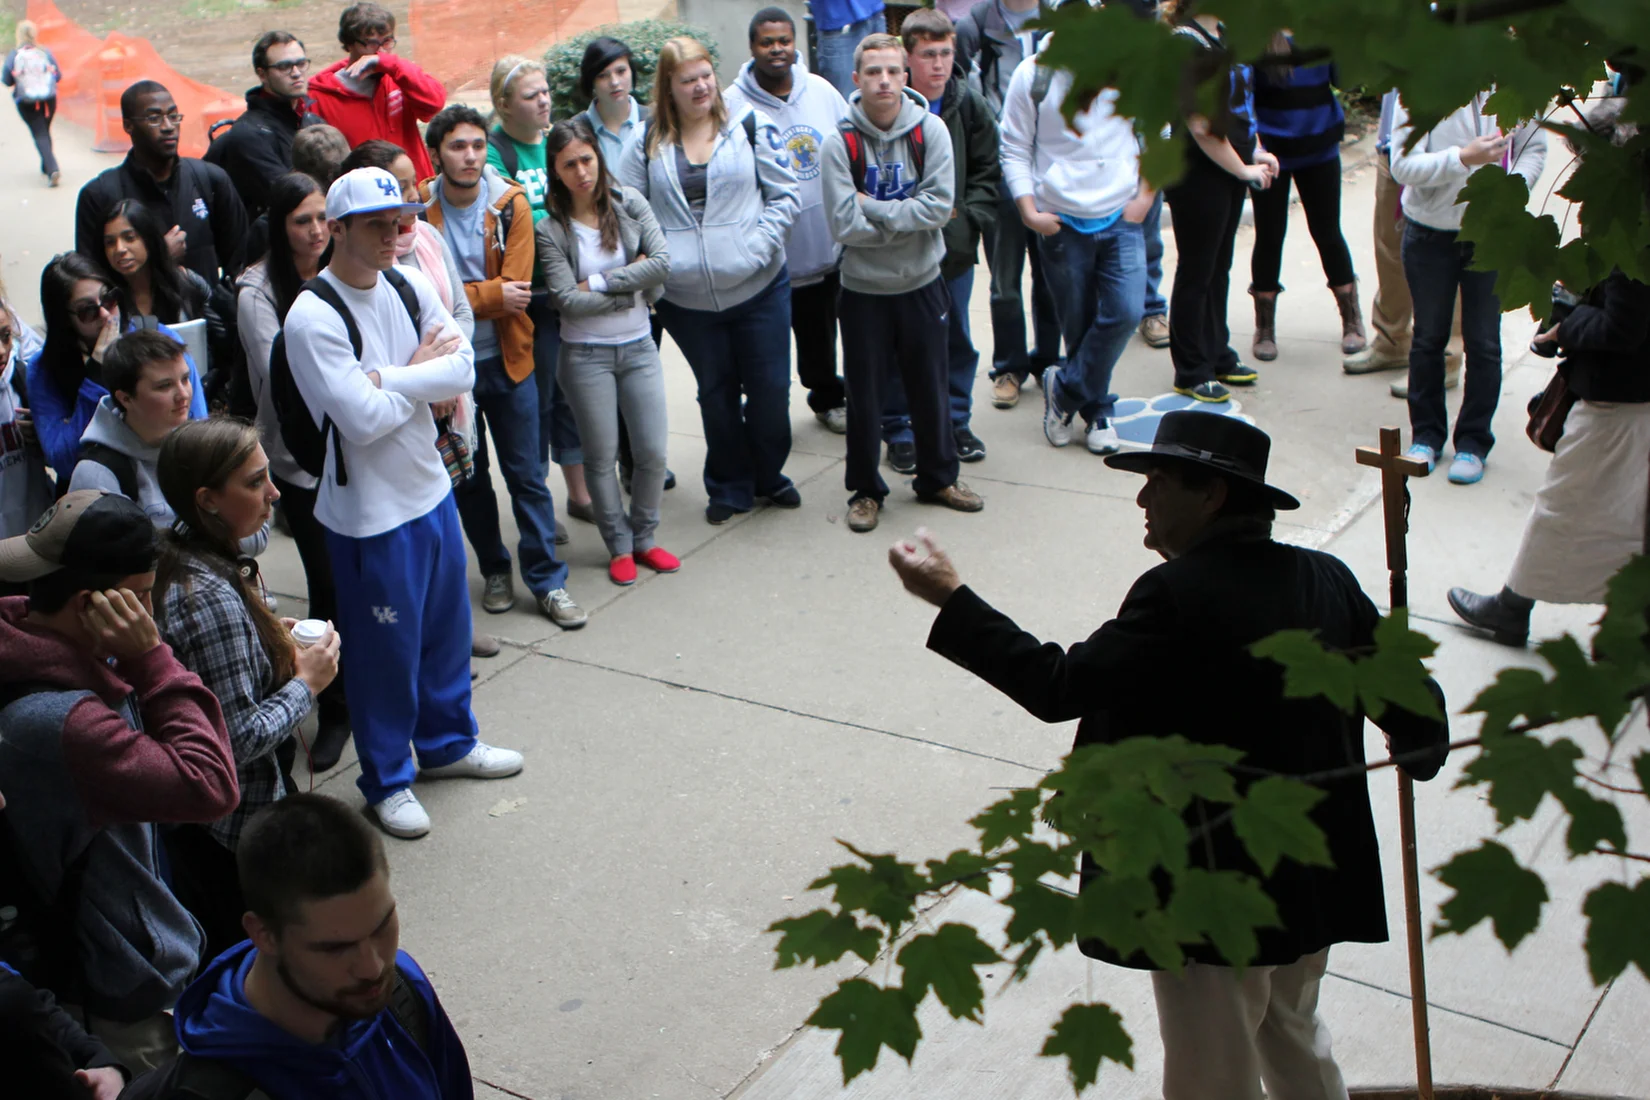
[509, 260]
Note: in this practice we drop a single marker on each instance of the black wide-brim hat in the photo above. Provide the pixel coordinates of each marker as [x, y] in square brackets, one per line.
[1224, 444]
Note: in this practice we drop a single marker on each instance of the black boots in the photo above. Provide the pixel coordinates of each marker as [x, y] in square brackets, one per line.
[1265, 346]
[1506, 615]
[331, 733]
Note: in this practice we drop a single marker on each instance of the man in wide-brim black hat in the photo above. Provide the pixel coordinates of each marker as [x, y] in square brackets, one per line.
[1176, 660]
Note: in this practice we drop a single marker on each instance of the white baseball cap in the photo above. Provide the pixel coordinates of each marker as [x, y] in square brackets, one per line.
[366, 191]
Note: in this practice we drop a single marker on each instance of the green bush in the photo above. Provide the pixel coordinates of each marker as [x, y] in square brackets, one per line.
[645, 37]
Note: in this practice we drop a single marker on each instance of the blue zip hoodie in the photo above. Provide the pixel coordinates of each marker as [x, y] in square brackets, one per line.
[369, 1060]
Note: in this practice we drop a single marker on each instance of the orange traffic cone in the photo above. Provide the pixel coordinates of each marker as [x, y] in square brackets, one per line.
[114, 65]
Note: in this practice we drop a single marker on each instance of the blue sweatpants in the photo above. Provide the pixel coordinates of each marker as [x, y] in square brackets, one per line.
[404, 618]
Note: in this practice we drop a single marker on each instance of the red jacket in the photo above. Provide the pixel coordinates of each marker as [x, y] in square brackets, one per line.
[406, 96]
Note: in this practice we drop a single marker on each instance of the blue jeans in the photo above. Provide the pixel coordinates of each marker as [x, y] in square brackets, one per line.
[835, 52]
[404, 607]
[1099, 284]
[1156, 304]
[512, 409]
[1435, 267]
[741, 358]
[558, 431]
[962, 361]
[1008, 244]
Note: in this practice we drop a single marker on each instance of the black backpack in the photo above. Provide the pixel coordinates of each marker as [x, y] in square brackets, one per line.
[191, 1078]
[304, 439]
[123, 466]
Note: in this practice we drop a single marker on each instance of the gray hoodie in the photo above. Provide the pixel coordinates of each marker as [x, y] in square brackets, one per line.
[109, 428]
[805, 118]
[738, 249]
[893, 241]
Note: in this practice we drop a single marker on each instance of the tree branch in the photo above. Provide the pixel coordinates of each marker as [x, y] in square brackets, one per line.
[1483, 11]
[1610, 787]
[1622, 855]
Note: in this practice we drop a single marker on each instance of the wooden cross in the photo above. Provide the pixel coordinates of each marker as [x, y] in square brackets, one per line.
[1395, 467]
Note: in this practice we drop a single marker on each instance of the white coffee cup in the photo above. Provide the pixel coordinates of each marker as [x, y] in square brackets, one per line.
[308, 632]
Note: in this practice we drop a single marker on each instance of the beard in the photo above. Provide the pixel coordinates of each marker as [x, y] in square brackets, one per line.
[349, 1004]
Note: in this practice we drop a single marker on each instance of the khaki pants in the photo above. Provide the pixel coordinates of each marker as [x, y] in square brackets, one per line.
[1225, 1032]
[1392, 313]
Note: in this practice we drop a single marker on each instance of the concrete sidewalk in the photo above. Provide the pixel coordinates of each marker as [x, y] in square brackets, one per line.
[595, 925]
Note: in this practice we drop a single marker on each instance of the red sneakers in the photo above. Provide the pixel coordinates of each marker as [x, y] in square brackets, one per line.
[622, 570]
[658, 559]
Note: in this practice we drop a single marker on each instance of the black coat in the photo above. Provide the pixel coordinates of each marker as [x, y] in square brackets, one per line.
[41, 1045]
[257, 149]
[1606, 342]
[1175, 660]
[197, 197]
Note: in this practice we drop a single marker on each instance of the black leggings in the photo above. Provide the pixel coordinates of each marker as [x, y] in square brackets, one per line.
[1320, 191]
[37, 116]
[298, 506]
[205, 882]
[1206, 204]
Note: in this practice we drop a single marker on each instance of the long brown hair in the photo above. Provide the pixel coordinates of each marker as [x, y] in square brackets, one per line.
[205, 454]
[667, 122]
[563, 134]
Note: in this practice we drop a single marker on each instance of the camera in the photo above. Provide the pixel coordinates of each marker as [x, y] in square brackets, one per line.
[1564, 304]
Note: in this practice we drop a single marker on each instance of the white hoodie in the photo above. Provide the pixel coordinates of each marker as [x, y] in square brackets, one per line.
[1432, 174]
[1090, 172]
[805, 118]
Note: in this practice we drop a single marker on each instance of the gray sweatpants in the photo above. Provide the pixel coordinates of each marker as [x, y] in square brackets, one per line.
[598, 381]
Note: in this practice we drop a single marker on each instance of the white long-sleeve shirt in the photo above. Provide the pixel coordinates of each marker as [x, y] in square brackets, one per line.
[1090, 173]
[395, 474]
[1432, 174]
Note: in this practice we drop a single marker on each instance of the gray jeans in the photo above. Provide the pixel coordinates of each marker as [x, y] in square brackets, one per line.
[599, 381]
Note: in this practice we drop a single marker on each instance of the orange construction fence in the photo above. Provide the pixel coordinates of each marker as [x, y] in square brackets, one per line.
[457, 41]
[97, 70]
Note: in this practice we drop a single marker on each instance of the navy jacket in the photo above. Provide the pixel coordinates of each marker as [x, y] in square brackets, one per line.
[1175, 660]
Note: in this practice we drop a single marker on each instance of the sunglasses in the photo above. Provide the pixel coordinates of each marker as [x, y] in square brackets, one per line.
[87, 312]
[291, 65]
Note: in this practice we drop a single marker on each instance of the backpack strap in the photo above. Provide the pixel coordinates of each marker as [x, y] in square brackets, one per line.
[855, 142]
[500, 141]
[409, 299]
[123, 466]
[329, 294]
[409, 1009]
[749, 123]
[918, 153]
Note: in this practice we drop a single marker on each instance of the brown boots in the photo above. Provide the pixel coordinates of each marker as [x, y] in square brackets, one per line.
[1266, 324]
[1353, 339]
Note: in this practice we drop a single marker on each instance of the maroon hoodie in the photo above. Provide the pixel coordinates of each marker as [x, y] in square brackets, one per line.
[177, 767]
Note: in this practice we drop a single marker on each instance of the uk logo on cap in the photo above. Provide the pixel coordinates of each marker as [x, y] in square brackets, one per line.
[366, 191]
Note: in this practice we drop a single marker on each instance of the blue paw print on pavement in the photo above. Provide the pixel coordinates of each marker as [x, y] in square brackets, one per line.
[1136, 418]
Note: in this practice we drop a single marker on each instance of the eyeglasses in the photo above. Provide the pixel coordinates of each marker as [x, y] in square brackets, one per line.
[376, 43]
[159, 118]
[87, 312]
[290, 65]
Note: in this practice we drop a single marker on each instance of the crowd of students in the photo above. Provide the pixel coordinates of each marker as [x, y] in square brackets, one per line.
[364, 285]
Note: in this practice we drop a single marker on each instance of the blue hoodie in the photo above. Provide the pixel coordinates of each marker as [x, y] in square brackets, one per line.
[370, 1060]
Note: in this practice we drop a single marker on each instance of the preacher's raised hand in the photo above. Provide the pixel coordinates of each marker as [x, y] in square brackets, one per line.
[925, 569]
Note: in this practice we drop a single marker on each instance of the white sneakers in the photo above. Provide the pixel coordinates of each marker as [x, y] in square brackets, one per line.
[1102, 438]
[402, 815]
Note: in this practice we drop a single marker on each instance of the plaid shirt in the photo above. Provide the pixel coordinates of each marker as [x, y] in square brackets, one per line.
[205, 623]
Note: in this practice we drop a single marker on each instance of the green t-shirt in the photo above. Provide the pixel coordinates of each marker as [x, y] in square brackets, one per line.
[530, 172]
[534, 179]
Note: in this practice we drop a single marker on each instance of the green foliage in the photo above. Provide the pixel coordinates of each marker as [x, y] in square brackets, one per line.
[1085, 1035]
[1391, 674]
[1490, 885]
[645, 37]
[1532, 58]
[1139, 813]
